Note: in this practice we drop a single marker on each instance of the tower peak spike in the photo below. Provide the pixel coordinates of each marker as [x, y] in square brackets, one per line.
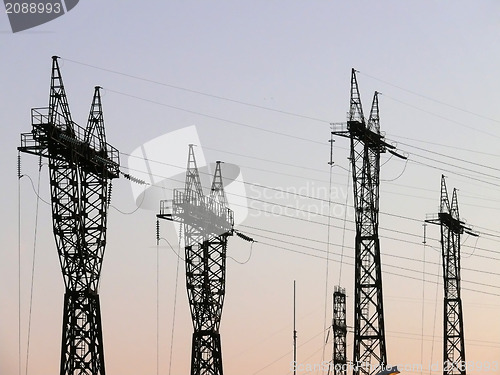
[355, 107]
[217, 190]
[374, 120]
[454, 205]
[192, 185]
[94, 132]
[59, 112]
[445, 203]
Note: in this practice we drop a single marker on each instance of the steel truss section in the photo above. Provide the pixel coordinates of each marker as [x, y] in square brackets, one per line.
[81, 166]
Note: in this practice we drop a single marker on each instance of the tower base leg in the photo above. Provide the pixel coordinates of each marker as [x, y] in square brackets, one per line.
[82, 350]
[206, 355]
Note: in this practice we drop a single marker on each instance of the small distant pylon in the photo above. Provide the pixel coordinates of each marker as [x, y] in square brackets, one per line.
[339, 327]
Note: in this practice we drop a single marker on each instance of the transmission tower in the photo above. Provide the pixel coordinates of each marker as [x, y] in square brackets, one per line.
[339, 327]
[81, 167]
[448, 219]
[207, 223]
[366, 146]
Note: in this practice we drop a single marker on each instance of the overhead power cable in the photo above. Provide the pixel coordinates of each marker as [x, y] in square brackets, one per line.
[284, 191]
[430, 99]
[461, 149]
[336, 226]
[398, 274]
[294, 114]
[198, 92]
[391, 230]
[293, 217]
[215, 117]
[385, 264]
[442, 117]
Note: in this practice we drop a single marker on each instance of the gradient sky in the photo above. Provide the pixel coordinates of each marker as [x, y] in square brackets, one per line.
[436, 65]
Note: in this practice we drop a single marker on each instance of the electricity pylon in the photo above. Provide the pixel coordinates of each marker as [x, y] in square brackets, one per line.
[207, 223]
[367, 143]
[339, 327]
[448, 219]
[81, 167]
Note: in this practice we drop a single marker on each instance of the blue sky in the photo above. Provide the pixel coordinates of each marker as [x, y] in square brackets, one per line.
[436, 65]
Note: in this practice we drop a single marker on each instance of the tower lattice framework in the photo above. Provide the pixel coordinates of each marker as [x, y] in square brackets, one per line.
[207, 223]
[367, 143]
[452, 227]
[81, 167]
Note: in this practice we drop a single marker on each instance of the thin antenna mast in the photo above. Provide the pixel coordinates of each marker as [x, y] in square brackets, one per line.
[294, 335]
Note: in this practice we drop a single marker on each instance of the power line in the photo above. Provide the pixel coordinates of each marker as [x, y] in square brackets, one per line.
[267, 160]
[237, 101]
[199, 92]
[323, 215]
[453, 172]
[399, 267]
[442, 117]
[290, 235]
[312, 179]
[324, 224]
[275, 132]
[214, 117]
[453, 157]
[292, 136]
[445, 145]
[463, 168]
[385, 272]
[431, 99]
[282, 111]
[280, 190]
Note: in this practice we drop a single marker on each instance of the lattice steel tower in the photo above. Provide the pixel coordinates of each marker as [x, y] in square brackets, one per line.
[448, 219]
[339, 327]
[81, 167]
[366, 146]
[207, 223]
